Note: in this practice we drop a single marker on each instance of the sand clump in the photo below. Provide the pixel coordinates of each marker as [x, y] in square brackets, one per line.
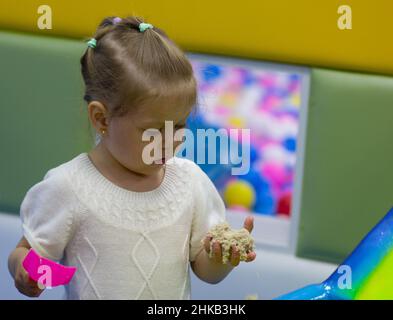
[228, 237]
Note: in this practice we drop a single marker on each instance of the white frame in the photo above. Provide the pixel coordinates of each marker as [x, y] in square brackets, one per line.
[274, 233]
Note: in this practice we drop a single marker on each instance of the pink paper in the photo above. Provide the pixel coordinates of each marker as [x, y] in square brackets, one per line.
[54, 274]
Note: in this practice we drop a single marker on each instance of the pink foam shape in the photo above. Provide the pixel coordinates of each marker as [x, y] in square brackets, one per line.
[60, 274]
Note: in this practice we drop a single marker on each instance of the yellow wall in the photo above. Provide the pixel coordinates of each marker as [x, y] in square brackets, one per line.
[294, 31]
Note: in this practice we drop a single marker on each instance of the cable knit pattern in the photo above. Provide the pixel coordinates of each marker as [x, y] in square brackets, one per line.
[125, 244]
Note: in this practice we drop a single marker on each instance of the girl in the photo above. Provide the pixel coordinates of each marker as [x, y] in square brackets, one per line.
[130, 226]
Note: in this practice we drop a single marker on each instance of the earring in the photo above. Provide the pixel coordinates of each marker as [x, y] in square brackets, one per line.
[103, 131]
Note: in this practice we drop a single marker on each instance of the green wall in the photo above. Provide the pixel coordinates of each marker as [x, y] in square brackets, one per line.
[43, 120]
[348, 168]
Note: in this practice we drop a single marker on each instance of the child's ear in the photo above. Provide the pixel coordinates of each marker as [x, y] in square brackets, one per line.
[98, 115]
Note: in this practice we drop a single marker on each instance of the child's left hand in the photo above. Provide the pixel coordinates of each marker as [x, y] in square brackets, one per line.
[235, 256]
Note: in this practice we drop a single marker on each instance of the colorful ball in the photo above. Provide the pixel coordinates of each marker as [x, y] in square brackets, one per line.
[275, 173]
[265, 203]
[284, 204]
[239, 193]
[255, 178]
[290, 144]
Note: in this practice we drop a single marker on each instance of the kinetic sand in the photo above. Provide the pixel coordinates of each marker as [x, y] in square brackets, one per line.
[227, 237]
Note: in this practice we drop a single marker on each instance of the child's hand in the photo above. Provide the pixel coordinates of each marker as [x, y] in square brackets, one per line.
[25, 284]
[235, 256]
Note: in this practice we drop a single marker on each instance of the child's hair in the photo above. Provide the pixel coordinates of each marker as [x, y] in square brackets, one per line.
[128, 68]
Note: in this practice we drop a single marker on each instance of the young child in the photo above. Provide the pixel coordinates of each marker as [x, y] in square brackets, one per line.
[130, 227]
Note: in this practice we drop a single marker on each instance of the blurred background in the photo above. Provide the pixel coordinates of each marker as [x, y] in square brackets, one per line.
[318, 101]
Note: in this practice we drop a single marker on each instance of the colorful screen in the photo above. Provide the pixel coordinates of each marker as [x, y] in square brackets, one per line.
[265, 101]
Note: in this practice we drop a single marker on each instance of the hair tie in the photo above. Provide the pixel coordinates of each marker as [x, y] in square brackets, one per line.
[143, 26]
[92, 43]
[116, 20]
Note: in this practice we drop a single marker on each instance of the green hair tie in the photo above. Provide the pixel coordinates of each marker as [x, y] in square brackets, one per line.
[92, 43]
[143, 26]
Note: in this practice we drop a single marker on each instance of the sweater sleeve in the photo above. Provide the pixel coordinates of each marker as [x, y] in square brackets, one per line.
[47, 214]
[209, 210]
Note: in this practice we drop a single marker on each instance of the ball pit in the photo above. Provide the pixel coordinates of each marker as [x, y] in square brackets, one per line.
[266, 102]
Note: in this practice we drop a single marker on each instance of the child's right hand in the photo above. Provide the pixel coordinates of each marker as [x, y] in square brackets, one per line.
[25, 284]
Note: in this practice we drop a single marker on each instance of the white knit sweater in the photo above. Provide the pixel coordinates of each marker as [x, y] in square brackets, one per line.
[126, 245]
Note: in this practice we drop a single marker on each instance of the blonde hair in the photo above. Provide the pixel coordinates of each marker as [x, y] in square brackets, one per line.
[129, 68]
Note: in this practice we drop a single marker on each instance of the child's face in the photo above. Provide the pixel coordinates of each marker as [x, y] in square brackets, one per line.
[124, 137]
